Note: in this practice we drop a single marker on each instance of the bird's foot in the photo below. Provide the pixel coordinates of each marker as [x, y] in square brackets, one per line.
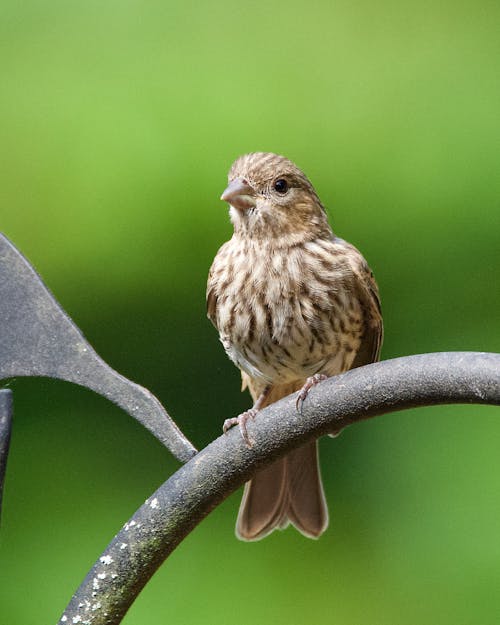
[241, 422]
[304, 391]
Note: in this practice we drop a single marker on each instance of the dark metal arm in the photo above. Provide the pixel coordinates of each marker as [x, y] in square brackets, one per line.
[37, 338]
[195, 489]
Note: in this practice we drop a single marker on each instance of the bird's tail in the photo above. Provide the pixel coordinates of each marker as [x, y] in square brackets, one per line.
[288, 491]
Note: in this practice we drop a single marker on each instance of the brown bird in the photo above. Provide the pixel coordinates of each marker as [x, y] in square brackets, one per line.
[293, 304]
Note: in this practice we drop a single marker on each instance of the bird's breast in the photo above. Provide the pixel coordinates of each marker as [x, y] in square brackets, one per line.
[285, 314]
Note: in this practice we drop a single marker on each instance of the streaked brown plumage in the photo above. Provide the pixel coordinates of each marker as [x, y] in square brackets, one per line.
[290, 300]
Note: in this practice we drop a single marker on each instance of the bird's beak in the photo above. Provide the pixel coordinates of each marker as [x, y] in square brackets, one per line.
[239, 194]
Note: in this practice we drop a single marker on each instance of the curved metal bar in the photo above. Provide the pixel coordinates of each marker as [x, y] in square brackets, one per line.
[168, 516]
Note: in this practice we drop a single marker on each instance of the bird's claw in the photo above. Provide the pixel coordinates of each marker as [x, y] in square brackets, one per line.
[304, 391]
[241, 422]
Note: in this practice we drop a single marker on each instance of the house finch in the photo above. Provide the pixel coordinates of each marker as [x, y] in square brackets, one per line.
[293, 304]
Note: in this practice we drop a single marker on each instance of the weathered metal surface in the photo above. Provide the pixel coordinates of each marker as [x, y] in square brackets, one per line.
[169, 514]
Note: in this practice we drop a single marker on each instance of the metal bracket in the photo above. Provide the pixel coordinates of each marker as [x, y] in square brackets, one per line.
[37, 338]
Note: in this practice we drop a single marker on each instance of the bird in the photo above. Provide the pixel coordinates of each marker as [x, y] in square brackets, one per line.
[293, 304]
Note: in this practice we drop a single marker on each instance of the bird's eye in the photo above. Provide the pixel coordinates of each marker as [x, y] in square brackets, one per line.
[281, 186]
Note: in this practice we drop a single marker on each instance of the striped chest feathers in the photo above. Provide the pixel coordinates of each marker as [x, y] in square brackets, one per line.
[285, 314]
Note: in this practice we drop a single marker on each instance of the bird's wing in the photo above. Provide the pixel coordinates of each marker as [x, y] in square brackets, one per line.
[366, 289]
[215, 277]
[211, 300]
[369, 298]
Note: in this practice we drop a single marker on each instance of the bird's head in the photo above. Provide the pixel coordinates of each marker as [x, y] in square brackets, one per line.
[270, 197]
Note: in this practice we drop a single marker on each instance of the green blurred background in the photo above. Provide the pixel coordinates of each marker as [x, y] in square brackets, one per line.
[119, 121]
